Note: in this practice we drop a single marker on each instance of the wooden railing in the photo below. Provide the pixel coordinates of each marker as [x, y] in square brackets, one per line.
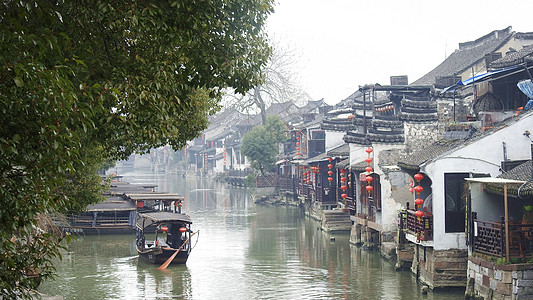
[265, 181]
[287, 184]
[489, 238]
[421, 227]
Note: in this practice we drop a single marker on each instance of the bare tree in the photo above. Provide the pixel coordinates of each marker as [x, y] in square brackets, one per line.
[279, 86]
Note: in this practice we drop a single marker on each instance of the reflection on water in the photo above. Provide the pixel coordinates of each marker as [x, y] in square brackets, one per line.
[244, 251]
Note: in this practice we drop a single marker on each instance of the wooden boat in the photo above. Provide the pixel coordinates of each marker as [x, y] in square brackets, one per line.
[172, 233]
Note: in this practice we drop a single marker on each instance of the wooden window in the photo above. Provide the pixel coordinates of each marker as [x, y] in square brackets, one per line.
[455, 195]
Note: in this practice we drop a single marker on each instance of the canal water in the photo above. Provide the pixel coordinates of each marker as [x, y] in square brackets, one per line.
[243, 251]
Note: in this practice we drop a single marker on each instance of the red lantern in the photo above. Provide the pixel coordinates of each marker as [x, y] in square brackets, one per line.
[418, 189]
[344, 195]
[419, 213]
[368, 159]
[330, 166]
[164, 228]
[330, 159]
[330, 172]
[369, 188]
[297, 138]
[330, 179]
[419, 201]
[297, 153]
[411, 190]
[369, 169]
[419, 177]
[183, 229]
[344, 188]
[297, 143]
[411, 184]
[369, 179]
[343, 171]
[368, 150]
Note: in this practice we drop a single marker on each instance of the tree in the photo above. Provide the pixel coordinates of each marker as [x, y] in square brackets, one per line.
[278, 86]
[260, 145]
[82, 82]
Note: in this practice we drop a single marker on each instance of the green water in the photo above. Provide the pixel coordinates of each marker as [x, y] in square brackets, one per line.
[244, 251]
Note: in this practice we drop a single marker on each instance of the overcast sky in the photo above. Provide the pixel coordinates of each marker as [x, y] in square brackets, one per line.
[341, 44]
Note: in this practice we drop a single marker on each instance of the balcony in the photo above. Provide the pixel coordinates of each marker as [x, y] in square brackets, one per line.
[489, 238]
[421, 228]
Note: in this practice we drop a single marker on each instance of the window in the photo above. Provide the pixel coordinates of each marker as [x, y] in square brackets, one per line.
[374, 197]
[455, 195]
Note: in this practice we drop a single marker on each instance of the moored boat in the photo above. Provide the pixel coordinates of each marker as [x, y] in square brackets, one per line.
[172, 237]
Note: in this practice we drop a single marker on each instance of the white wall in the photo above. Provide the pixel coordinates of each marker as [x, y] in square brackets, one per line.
[481, 156]
[334, 139]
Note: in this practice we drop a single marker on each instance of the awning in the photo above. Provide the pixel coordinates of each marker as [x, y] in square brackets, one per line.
[477, 78]
[280, 161]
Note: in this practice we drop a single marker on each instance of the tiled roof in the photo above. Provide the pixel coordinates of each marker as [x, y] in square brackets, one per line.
[521, 172]
[467, 55]
[414, 160]
[514, 58]
[343, 150]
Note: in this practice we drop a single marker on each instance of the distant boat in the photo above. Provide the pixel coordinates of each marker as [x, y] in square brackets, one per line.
[172, 234]
[118, 213]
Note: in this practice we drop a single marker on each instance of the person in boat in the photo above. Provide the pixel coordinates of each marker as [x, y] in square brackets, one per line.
[175, 238]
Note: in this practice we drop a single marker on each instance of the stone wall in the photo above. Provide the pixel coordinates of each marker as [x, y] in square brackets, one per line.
[440, 268]
[487, 280]
[419, 135]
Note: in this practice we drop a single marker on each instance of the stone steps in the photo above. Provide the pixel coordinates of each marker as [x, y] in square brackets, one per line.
[336, 221]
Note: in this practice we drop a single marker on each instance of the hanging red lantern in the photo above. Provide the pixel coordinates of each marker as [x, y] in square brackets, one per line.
[368, 159]
[369, 169]
[183, 229]
[411, 184]
[297, 143]
[344, 188]
[330, 166]
[369, 179]
[298, 148]
[368, 150]
[419, 201]
[330, 159]
[330, 172]
[330, 179]
[343, 171]
[369, 188]
[419, 214]
[297, 153]
[411, 190]
[344, 195]
[297, 138]
[419, 177]
[418, 189]
[164, 228]
[343, 179]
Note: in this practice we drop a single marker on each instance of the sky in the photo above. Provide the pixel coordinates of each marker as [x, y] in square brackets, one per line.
[340, 45]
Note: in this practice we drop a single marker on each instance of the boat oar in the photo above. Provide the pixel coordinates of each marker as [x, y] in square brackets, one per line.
[171, 258]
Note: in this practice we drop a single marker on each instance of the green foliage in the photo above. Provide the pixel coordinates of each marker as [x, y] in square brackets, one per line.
[86, 82]
[250, 180]
[260, 145]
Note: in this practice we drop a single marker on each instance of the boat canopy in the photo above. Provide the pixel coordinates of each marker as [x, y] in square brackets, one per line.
[163, 216]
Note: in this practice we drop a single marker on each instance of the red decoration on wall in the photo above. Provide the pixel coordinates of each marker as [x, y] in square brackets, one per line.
[368, 150]
[419, 177]
[418, 189]
[419, 201]
[419, 213]
[368, 159]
